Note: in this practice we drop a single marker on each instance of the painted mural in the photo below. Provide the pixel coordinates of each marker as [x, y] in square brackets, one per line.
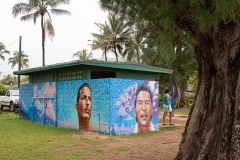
[134, 106]
[112, 106]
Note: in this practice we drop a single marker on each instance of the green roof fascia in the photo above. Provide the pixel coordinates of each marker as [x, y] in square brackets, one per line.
[120, 65]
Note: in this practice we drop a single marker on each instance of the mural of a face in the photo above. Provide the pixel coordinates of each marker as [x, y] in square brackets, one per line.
[84, 106]
[143, 111]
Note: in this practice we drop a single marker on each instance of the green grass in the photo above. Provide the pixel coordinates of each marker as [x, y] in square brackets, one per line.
[23, 139]
[122, 148]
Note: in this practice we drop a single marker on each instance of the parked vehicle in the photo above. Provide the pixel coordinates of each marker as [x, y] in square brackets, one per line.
[11, 100]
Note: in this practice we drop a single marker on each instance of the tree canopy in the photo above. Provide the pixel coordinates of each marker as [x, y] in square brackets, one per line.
[114, 33]
[83, 55]
[9, 80]
[15, 60]
[213, 29]
[41, 8]
[3, 51]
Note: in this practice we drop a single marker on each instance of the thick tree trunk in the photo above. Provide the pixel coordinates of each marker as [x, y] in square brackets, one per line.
[213, 127]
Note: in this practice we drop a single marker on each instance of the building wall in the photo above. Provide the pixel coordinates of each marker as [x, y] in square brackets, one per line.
[78, 73]
[113, 104]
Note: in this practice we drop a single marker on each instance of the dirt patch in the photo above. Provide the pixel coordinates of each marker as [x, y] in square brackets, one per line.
[160, 145]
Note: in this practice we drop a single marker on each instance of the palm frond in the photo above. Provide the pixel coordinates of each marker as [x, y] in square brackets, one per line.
[21, 8]
[55, 3]
[15, 60]
[60, 12]
[30, 16]
[49, 28]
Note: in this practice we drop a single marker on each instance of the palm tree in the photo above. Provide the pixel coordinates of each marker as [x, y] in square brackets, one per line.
[134, 47]
[82, 55]
[116, 32]
[3, 51]
[15, 60]
[41, 8]
[100, 42]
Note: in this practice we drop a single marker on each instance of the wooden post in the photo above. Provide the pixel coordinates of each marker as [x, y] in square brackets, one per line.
[19, 59]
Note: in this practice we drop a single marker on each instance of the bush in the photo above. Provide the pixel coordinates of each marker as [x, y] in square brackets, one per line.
[181, 105]
[3, 91]
[160, 102]
[190, 101]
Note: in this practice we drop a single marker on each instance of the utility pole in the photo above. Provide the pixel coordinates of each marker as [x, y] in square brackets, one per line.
[19, 60]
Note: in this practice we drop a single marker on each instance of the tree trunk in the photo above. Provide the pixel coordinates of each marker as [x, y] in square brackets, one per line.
[213, 127]
[105, 53]
[177, 95]
[138, 56]
[114, 45]
[182, 97]
[43, 40]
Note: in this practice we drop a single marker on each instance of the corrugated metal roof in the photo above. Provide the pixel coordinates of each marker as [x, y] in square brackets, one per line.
[119, 65]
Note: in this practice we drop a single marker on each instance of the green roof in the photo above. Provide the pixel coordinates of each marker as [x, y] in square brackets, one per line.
[119, 65]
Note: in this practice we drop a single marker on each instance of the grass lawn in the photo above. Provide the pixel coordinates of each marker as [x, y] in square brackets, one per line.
[23, 139]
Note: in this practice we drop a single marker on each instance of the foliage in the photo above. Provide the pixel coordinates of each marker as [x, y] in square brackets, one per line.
[3, 89]
[83, 55]
[134, 46]
[3, 51]
[25, 80]
[100, 42]
[9, 80]
[15, 60]
[190, 101]
[113, 34]
[2, 86]
[193, 79]
[41, 8]
[212, 28]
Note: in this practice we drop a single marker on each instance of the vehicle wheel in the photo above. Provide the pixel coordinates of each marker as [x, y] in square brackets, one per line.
[12, 107]
[1, 107]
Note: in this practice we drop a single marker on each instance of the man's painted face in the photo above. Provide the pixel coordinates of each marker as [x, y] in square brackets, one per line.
[84, 106]
[143, 108]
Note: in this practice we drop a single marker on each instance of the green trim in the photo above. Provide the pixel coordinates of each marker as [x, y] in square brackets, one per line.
[120, 65]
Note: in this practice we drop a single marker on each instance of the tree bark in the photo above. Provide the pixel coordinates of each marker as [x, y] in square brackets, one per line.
[213, 127]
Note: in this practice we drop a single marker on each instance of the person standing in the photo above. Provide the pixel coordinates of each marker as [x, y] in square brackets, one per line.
[84, 107]
[167, 106]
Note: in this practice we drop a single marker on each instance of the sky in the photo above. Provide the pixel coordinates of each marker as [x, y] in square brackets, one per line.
[72, 33]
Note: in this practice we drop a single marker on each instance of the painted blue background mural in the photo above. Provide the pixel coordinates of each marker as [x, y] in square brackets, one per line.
[111, 101]
[123, 97]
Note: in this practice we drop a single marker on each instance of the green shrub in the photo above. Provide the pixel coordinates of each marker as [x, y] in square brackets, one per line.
[181, 105]
[190, 101]
[3, 91]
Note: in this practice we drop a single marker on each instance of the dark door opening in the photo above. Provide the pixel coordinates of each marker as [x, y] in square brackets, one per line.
[95, 74]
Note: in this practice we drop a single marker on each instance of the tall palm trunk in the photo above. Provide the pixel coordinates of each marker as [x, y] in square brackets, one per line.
[43, 40]
[114, 45]
[138, 56]
[105, 54]
[213, 127]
